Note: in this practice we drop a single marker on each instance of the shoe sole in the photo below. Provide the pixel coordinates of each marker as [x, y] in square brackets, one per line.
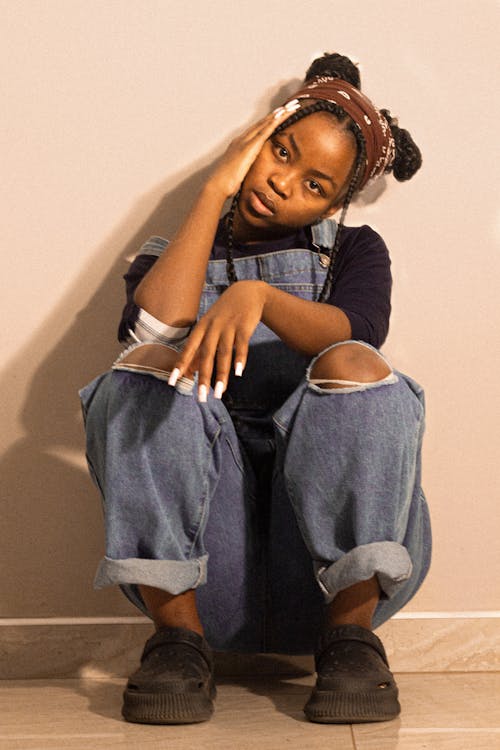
[166, 708]
[332, 707]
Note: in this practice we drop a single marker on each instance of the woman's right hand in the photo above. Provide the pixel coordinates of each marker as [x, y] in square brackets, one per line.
[171, 289]
[241, 153]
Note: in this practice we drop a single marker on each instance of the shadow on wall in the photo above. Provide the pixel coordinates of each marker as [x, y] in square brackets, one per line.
[51, 520]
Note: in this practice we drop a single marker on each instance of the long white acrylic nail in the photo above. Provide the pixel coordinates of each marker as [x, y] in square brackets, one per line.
[292, 104]
[238, 369]
[219, 389]
[174, 376]
[279, 112]
[202, 394]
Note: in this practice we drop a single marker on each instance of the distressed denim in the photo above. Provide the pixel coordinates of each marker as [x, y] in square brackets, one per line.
[275, 498]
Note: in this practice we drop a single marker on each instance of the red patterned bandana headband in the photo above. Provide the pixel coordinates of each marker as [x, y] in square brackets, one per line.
[380, 147]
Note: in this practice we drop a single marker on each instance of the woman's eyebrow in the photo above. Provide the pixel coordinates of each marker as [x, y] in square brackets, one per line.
[323, 176]
[315, 172]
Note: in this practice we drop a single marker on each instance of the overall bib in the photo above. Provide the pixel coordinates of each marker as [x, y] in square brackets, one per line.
[275, 498]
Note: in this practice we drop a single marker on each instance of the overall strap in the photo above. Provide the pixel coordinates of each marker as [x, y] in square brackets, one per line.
[324, 233]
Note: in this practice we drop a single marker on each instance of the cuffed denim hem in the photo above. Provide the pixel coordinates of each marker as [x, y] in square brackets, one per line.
[174, 576]
[389, 561]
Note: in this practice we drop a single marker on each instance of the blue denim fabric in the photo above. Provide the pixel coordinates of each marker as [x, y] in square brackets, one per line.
[276, 498]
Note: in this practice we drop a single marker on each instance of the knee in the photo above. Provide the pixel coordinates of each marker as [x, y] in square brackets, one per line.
[350, 362]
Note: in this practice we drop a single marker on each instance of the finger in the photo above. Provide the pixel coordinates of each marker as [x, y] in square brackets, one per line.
[271, 120]
[240, 353]
[224, 358]
[206, 357]
[192, 368]
[286, 110]
[186, 364]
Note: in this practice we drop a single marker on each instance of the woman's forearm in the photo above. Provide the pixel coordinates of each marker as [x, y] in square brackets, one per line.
[172, 288]
[307, 327]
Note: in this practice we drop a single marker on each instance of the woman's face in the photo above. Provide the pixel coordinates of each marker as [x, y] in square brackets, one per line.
[300, 175]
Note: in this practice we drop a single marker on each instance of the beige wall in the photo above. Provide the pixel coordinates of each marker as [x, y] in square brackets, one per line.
[113, 111]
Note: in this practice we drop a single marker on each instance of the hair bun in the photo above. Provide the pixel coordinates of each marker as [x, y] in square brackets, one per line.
[408, 159]
[336, 66]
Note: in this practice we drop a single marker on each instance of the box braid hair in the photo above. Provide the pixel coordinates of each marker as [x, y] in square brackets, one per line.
[407, 161]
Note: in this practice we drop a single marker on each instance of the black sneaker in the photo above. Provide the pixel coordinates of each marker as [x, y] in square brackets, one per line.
[174, 684]
[354, 683]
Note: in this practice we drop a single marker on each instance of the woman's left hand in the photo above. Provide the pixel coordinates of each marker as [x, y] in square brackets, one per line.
[226, 327]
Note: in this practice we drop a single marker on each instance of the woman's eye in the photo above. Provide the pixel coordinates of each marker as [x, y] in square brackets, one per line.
[281, 151]
[315, 186]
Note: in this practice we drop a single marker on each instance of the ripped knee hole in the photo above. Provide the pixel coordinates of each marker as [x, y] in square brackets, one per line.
[349, 365]
[150, 356]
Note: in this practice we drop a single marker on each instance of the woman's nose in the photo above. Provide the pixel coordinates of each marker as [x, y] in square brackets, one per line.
[280, 183]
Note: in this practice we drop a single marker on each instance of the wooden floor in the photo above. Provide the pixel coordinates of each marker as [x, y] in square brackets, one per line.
[452, 711]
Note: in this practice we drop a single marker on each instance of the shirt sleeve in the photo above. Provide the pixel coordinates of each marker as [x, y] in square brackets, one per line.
[362, 284]
[136, 324]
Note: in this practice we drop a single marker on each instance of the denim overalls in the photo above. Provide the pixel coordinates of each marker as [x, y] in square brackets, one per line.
[275, 498]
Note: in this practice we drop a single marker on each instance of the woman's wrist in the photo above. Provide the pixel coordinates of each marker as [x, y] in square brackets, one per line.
[214, 188]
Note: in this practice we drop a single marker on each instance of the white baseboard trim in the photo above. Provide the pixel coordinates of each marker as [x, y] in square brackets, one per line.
[475, 615]
[102, 647]
[27, 621]
[131, 620]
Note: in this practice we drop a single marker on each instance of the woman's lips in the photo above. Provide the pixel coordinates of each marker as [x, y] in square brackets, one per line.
[261, 204]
